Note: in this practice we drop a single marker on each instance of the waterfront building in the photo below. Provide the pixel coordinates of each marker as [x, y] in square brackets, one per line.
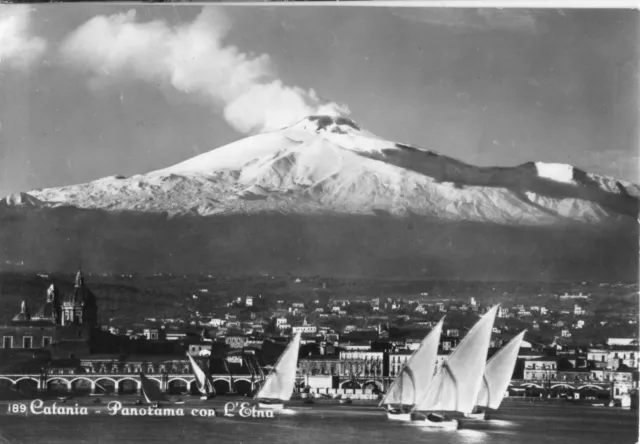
[544, 368]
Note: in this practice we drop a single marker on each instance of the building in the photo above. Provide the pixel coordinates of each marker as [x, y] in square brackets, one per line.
[362, 363]
[452, 333]
[305, 328]
[151, 334]
[235, 341]
[79, 307]
[503, 312]
[397, 360]
[58, 319]
[216, 322]
[544, 368]
[355, 346]
[200, 349]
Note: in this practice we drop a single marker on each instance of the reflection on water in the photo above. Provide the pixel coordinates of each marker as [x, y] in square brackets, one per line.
[501, 423]
[316, 424]
[472, 436]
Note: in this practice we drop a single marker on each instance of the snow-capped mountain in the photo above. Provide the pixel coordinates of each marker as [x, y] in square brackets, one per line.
[326, 197]
[332, 166]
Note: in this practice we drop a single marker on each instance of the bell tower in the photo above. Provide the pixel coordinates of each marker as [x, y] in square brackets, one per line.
[53, 298]
[72, 307]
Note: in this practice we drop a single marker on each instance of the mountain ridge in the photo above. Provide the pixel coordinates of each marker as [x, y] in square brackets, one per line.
[330, 165]
[325, 197]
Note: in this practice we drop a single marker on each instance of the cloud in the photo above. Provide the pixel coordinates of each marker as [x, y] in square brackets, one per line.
[465, 20]
[18, 49]
[192, 58]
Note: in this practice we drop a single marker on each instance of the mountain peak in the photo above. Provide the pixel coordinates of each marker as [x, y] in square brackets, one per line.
[330, 164]
[333, 124]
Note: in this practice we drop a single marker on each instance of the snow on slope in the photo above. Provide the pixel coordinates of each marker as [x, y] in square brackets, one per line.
[558, 172]
[21, 200]
[325, 164]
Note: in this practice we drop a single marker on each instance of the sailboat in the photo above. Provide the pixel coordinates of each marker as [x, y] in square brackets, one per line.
[414, 378]
[457, 384]
[497, 374]
[202, 381]
[278, 387]
[153, 395]
[151, 392]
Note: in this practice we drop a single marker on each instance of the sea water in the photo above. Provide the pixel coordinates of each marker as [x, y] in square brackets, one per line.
[522, 423]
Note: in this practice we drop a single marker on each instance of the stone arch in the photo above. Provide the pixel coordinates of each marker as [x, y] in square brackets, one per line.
[120, 386]
[221, 385]
[174, 385]
[590, 386]
[186, 381]
[105, 388]
[11, 381]
[65, 381]
[81, 377]
[531, 384]
[350, 384]
[81, 387]
[104, 378]
[570, 387]
[243, 386]
[26, 377]
[372, 384]
[32, 383]
[156, 380]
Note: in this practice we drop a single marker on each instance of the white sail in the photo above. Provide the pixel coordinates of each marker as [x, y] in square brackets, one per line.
[415, 377]
[204, 384]
[281, 380]
[498, 373]
[150, 391]
[457, 384]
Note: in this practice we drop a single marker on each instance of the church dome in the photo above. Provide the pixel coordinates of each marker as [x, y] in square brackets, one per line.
[80, 294]
[24, 315]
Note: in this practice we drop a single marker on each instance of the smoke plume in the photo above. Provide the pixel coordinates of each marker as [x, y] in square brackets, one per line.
[193, 59]
[18, 48]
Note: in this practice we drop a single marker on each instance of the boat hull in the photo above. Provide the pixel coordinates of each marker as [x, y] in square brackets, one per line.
[269, 406]
[476, 416]
[450, 424]
[400, 416]
[436, 422]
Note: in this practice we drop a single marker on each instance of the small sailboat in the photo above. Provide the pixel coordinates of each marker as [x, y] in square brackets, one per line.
[497, 374]
[414, 378]
[151, 392]
[278, 387]
[202, 381]
[456, 386]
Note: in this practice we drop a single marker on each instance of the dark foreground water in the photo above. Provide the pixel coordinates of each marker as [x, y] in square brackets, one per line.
[516, 422]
